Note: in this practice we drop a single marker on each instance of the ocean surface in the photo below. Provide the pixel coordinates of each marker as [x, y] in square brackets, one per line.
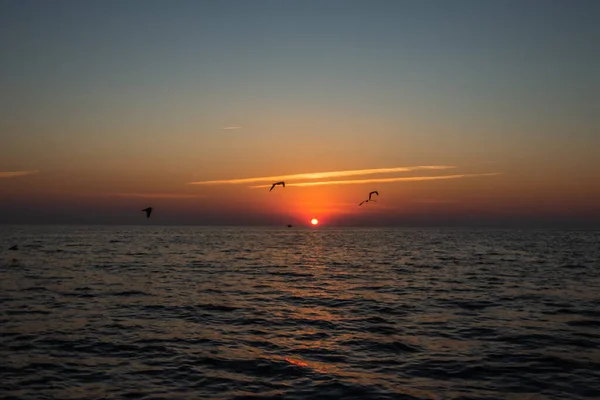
[90, 312]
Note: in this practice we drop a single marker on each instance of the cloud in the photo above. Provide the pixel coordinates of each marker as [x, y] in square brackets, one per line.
[230, 128]
[384, 180]
[13, 174]
[322, 175]
[157, 195]
[436, 201]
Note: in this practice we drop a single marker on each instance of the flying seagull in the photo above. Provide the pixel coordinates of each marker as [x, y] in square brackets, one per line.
[148, 211]
[373, 192]
[282, 183]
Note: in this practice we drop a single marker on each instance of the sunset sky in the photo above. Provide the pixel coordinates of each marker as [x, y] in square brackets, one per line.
[461, 113]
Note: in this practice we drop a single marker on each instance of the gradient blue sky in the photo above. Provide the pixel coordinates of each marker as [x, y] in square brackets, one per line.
[120, 101]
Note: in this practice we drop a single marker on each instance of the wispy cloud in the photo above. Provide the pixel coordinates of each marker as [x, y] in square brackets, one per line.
[157, 195]
[384, 180]
[231, 128]
[323, 175]
[436, 201]
[13, 174]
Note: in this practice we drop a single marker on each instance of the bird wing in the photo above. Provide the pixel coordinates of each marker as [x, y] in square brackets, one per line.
[272, 186]
[361, 203]
[283, 184]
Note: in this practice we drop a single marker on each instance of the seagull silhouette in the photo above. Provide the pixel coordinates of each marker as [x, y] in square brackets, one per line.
[148, 211]
[282, 183]
[373, 192]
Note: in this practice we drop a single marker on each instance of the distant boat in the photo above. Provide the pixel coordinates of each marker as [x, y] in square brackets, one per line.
[289, 225]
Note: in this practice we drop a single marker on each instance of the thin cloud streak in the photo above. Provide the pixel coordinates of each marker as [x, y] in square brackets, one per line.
[322, 175]
[384, 180]
[230, 128]
[13, 174]
[157, 195]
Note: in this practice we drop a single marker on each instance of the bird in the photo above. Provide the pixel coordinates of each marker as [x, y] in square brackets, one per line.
[373, 192]
[15, 247]
[364, 201]
[282, 183]
[148, 211]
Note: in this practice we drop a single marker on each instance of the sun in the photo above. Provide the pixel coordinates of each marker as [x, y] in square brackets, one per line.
[314, 221]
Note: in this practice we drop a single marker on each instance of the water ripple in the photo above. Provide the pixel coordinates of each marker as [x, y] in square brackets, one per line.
[236, 313]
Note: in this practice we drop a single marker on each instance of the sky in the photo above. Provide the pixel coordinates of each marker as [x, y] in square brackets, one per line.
[461, 113]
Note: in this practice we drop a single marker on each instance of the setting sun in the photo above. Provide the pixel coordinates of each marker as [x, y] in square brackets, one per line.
[314, 221]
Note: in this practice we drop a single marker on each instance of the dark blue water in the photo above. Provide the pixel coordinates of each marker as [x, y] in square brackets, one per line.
[215, 313]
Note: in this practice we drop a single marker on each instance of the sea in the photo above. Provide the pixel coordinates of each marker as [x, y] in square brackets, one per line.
[165, 312]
